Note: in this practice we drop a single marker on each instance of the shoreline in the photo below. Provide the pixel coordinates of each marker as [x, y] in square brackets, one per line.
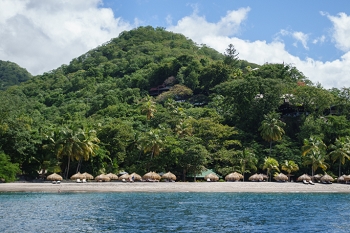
[233, 187]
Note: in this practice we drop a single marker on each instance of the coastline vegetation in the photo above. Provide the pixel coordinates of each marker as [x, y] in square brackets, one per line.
[153, 100]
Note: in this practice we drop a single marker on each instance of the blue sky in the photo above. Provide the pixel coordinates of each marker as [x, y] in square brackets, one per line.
[312, 35]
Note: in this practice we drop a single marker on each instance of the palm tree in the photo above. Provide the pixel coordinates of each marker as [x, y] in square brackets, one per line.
[184, 128]
[75, 145]
[289, 166]
[271, 128]
[313, 144]
[270, 164]
[149, 107]
[247, 159]
[91, 141]
[341, 151]
[152, 142]
[316, 160]
[314, 149]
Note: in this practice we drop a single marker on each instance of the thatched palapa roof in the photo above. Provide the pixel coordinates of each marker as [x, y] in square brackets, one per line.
[169, 176]
[235, 176]
[212, 177]
[304, 177]
[112, 176]
[327, 178]
[136, 176]
[102, 177]
[256, 177]
[124, 177]
[151, 176]
[281, 177]
[54, 177]
[88, 176]
[78, 176]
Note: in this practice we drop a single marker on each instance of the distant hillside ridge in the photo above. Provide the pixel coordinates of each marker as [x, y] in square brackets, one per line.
[12, 74]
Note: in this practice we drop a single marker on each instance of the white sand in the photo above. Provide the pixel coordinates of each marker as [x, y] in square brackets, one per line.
[257, 187]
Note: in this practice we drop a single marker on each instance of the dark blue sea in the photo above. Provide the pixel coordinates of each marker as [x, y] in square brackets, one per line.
[174, 212]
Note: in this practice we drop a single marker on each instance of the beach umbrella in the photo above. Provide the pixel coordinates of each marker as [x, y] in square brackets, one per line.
[256, 177]
[212, 177]
[341, 179]
[281, 177]
[169, 176]
[136, 176]
[112, 176]
[346, 177]
[78, 176]
[54, 177]
[235, 176]
[88, 176]
[327, 178]
[151, 176]
[124, 177]
[102, 177]
[304, 177]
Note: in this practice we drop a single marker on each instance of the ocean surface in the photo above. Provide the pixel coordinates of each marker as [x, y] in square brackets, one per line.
[174, 212]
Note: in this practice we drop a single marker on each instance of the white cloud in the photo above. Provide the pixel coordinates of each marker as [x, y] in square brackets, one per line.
[302, 38]
[298, 37]
[196, 27]
[341, 30]
[320, 39]
[329, 74]
[41, 35]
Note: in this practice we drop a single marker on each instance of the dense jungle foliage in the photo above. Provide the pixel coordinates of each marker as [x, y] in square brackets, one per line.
[153, 100]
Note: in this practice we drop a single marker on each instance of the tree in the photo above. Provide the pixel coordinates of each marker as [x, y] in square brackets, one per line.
[8, 170]
[149, 107]
[75, 145]
[314, 149]
[289, 166]
[340, 151]
[231, 56]
[152, 142]
[271, 128]
[270, 164]
[246, 160]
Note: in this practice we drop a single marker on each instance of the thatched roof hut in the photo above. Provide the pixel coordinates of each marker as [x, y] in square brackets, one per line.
[151, 176]
[304, 177]
[54, 177]
[112, 176]
[169, 176]
[256, 177]
[124, 177]
[235, 176]
[346, 177]
[211, 177]
[136, 176]
[327, 179]
[78, 176]
[341, 179]
[281, 177]
[88, 176]
[102, 177]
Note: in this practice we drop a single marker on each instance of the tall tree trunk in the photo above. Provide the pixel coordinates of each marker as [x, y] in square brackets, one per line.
[184, 175]
[339, 167]
[270, 147]
[68, 167]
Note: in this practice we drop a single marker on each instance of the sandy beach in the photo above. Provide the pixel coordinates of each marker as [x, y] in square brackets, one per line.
[256, 187]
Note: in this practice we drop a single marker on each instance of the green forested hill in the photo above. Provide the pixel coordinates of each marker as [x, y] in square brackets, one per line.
[154, 100]
[12, 74]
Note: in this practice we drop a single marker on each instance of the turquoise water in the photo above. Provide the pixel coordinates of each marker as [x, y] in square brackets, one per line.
[174, 212]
